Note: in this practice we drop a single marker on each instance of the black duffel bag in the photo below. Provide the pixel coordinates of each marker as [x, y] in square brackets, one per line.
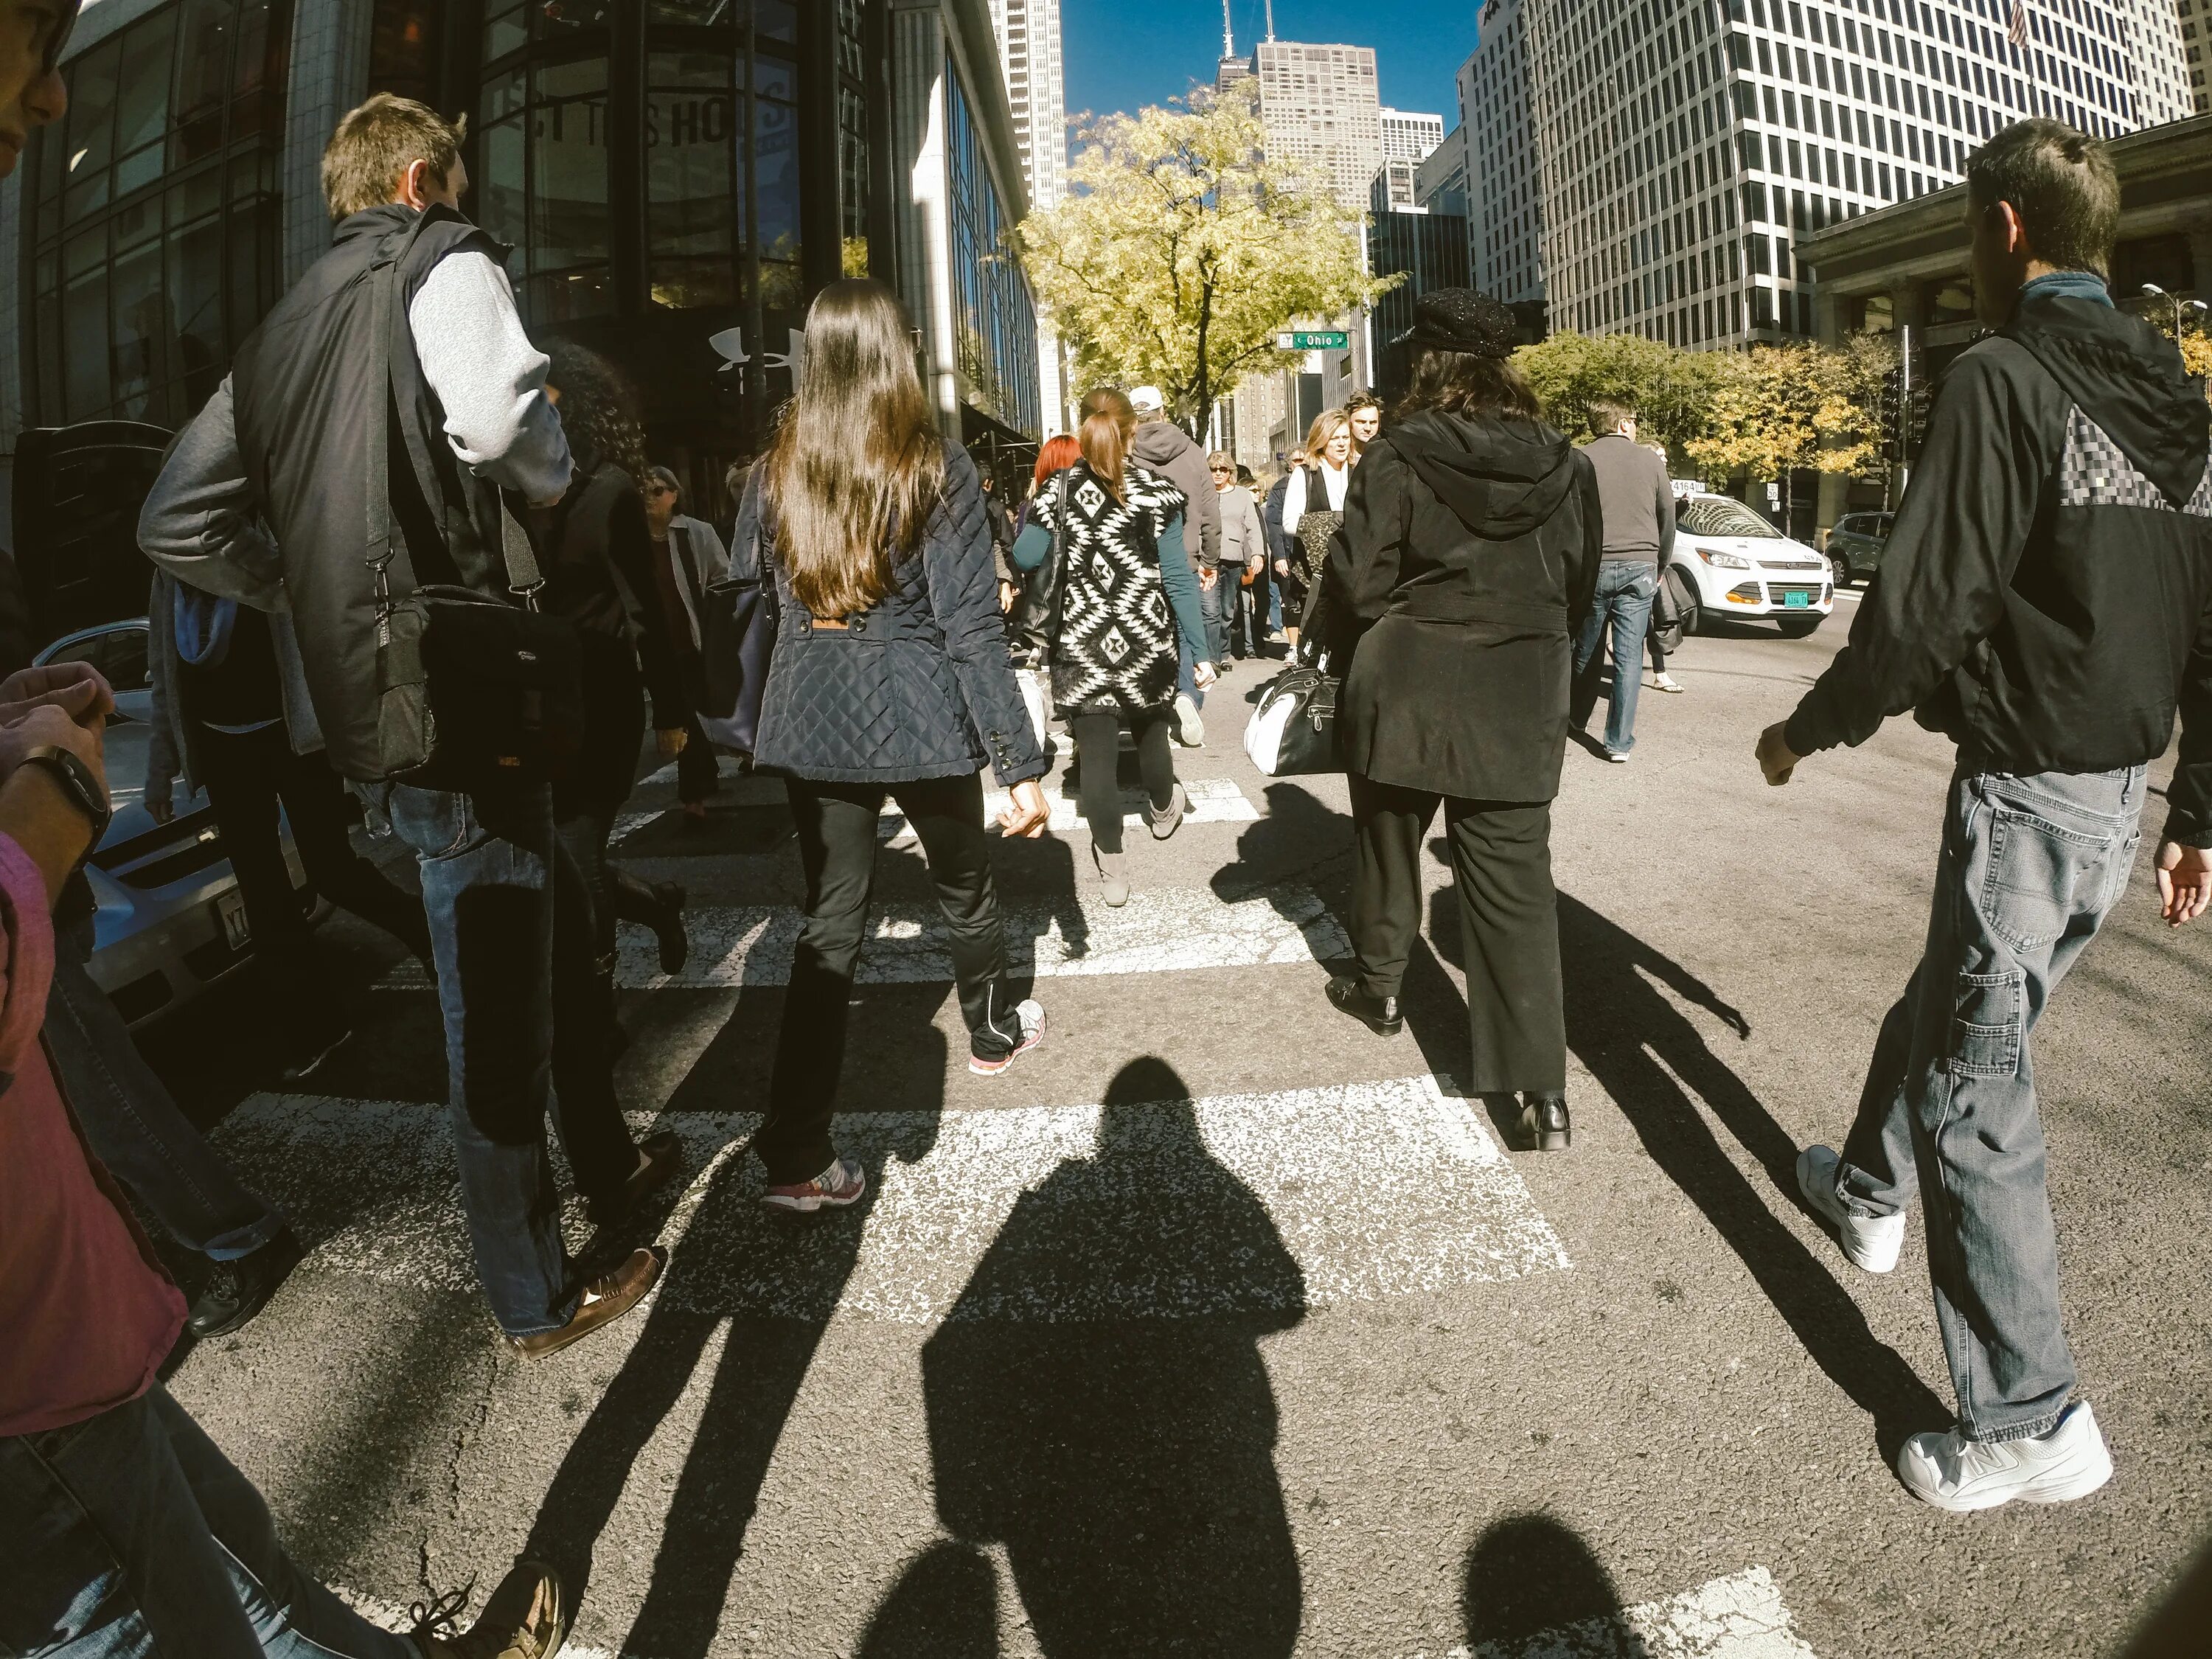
[1665, 627]
[470, 688]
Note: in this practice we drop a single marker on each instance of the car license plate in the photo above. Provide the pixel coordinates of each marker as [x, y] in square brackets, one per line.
[1796, 601]
[231, 908]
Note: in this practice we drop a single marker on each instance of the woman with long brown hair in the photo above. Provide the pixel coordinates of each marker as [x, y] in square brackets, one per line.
[1468, 560]
[1117, 592]
[890, 677]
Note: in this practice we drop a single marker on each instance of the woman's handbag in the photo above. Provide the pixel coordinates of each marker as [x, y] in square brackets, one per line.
[1292, 732]
[1666, 618]
[737, 618]
[470, 687]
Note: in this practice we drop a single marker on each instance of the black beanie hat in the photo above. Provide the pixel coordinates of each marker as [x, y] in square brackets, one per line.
[1463, 319]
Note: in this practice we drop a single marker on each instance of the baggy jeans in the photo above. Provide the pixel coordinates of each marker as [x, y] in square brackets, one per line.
[1625, 593]
[2030, 867]
[525, 1011]
[130, 1534]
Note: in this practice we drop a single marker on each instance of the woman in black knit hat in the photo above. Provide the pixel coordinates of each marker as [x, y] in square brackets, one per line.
[1469, 557]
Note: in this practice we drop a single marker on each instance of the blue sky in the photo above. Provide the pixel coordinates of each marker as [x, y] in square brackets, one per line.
[1123, 54]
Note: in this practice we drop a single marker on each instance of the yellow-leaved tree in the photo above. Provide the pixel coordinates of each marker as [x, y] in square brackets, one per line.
[1777, 409]
[1181, 250]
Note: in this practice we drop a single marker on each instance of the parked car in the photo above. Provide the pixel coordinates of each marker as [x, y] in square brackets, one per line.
[168, 918]
[1855, 545]
[1730, 563]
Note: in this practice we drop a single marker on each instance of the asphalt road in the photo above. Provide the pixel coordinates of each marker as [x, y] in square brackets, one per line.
[1221, 1326]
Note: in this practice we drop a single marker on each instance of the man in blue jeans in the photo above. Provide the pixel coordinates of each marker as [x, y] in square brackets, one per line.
[2046, 601]
[1638, 505]
[266, 498]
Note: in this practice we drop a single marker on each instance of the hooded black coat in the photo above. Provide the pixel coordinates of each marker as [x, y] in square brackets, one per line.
[1468, 558]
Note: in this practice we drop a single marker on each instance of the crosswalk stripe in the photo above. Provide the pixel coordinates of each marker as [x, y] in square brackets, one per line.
[1212, 800]
[1237, 1203]
[1160, 931]
[1739, 1617]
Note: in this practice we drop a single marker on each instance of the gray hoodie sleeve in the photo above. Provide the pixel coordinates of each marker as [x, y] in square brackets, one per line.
[199, 521]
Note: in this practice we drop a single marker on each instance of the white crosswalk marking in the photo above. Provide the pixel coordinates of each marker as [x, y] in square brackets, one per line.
[1739, 1617]
[1175, 930]
[1212, 800]
[1371, 1189]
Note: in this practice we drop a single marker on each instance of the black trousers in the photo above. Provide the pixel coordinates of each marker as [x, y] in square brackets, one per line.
[1098, 766]
[248, 777]
[837, 852]
[1508, 921]
[588, 801]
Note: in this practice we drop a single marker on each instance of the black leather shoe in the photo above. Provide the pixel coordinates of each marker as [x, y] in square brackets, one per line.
[1378, 1014]
[1545, 1126]
[242, 1288]
[663, 1160]
[668, 927]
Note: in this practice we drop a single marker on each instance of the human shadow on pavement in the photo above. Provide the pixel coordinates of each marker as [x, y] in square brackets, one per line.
[785, 1275]
[1097, 1403]
[1657, 1067]
[946, 1605]
[1528, 1574]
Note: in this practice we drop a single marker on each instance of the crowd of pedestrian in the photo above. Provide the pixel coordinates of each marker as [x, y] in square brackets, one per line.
[398, 507]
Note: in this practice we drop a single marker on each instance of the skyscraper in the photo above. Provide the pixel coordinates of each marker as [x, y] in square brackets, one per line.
[1646, 164]
[2196, 21]
[1029, 48]
[1319, 104]
[1409, 136]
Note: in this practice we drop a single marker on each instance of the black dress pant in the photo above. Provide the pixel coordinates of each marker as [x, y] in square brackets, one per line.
[836, 824]
[1508, 921]
[599, 779]
[248, 777]
[1098, 767]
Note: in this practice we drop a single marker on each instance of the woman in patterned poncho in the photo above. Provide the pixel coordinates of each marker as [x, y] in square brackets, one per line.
[1117, 588]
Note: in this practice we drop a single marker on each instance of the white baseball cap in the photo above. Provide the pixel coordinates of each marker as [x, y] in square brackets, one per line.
[1142, 397]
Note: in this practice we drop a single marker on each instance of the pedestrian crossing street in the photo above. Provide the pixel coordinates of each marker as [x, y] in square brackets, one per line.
[1236, 1209]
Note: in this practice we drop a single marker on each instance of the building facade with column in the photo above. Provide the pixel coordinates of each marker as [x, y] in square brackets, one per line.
[676, 178]
[1907, 266]
[1651, 166]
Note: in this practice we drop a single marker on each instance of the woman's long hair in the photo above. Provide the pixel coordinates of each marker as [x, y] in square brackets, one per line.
[1322, 433]
[1056, 454]
[596, 407]
[856, 465]
[1461, 383]
[1109, 425]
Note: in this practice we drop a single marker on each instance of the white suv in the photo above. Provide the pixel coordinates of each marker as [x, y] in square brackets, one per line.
[1729, 561]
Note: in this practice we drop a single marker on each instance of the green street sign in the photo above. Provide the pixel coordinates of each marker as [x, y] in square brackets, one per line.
[1335, 339]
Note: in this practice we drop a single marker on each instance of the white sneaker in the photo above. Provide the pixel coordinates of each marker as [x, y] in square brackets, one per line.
[1666, 682]
[1870, 1242]
[1030, 1014]
[1958, 1474]
[1189, 729]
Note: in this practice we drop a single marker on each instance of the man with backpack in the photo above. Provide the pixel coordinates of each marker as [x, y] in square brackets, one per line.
[390, 406]
[2045, 601]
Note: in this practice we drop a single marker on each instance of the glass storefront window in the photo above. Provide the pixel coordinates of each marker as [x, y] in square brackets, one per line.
[994, 318]
[153, 213]
[541, 179]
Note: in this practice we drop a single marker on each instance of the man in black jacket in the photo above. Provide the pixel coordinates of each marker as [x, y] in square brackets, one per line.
[266, 499]
[2046, 601]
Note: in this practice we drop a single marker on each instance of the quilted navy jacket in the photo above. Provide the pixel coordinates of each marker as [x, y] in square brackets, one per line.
[917, 686]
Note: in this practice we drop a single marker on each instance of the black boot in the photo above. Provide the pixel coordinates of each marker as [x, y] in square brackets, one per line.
[242, 1288]
[1378, 1014]
[1545, 1126]
[668, 927]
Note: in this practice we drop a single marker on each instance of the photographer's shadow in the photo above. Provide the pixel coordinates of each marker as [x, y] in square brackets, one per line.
[1098, 1406]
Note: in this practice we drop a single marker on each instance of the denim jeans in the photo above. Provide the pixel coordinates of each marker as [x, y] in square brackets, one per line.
[2030, 868]
[1213, 610]
[130, 1534]
[1625, 593]
[525, 1011]
[135, 1128]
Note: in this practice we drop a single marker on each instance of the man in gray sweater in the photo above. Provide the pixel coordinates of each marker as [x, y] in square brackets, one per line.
[1638, 503]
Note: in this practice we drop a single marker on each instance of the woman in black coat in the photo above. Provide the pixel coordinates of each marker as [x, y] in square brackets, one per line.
[890, 678]
[1468, 558]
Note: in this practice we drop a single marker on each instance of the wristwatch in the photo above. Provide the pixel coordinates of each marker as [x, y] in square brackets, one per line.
[77, 782]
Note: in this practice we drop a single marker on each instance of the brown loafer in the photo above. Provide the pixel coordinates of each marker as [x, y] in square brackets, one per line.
[661, 1161]
[527, 1618]
[605, 1299]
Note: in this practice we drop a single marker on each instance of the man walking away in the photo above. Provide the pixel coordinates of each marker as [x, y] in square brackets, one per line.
[1170, 451]
[2046, 601]
[283, 442]
[687, 556]
[1268, 591]
[1244, 546]
[1639, 539]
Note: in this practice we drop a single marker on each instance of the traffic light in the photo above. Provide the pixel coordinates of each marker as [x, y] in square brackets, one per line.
[1915, 416]
[1893, 413]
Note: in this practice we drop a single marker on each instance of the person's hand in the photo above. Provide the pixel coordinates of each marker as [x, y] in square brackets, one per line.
[1776, 757]
[1203, 675]
[1006, 596]
[77, 689]
[669, 740]
[2184, 882]
[1282, 566]
[1208, 575]
[50, 725]
[1028, 812]
[1259, 562]
[159, 808]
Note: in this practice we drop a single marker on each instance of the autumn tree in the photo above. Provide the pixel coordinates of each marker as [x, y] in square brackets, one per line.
[1182, 249]
[1671, 390]
[1780, 409]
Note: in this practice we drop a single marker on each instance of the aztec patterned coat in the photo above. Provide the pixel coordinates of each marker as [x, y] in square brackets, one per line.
[1111, 641]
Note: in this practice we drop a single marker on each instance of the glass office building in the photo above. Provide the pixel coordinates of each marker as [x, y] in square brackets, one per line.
[677, 178]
